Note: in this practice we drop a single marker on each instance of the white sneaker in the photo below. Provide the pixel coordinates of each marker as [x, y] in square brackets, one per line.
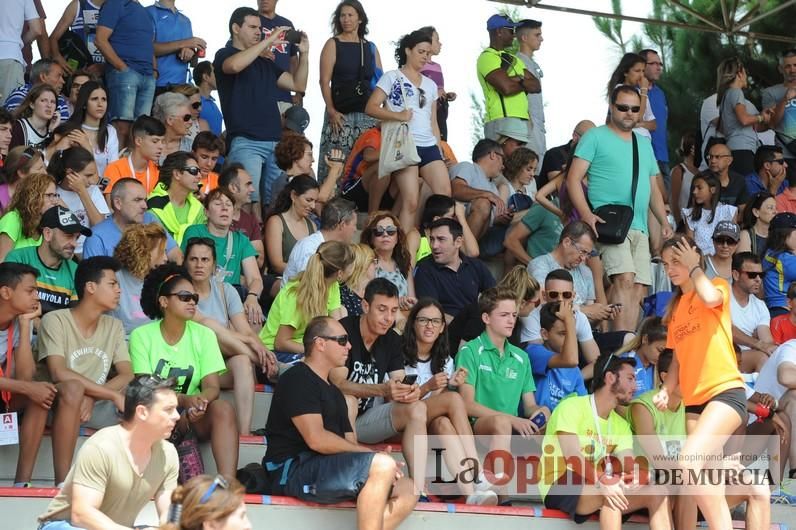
[483, 498]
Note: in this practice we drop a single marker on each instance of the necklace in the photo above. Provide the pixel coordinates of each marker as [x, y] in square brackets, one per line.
[89, 127]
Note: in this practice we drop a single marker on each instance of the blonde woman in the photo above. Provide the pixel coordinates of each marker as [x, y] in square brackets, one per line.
[19, 227]
[362, 271]
[314, 292]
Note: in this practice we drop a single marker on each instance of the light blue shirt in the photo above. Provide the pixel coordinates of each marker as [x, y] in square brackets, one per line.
[107, 234]
[170, 26]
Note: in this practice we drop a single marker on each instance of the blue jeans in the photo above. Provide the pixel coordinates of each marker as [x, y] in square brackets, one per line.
[259, 160]
[130, 94]
[57, 525]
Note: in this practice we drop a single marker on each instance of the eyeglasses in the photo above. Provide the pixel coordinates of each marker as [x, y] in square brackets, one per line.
[52, 196]
[724, 241]
[500, 154]
[621, 107]
[583, 252]
[196, 105]
[422, 97]
[342, 340]
[193, 170]
[753, 275]
[425, 321]
[385, 231]
[218, 481]
[185, 296]
[553, 295]
[717, 157]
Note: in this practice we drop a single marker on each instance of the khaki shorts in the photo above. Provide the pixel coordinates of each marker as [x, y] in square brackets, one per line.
[632, 255]
[375, 424]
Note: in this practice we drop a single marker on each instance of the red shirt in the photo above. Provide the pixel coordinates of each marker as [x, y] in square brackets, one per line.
[782, 329]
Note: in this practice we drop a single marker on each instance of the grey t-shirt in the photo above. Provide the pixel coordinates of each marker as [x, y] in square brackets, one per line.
[474, 176]
[214, 306]
[771, 97]
[129, 310]
[541, 266]
[739, 138]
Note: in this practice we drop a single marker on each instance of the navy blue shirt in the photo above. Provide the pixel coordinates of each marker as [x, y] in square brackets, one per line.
[283, 52]
[453, 289]
[133, 33]
[170, 26]
[755, 185]
[248, 98]
[657, 101]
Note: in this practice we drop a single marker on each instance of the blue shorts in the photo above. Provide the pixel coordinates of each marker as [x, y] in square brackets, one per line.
[428, 155]
[130, 94]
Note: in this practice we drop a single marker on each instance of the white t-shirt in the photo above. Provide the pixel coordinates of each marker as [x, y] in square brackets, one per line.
[15, 14]
[703, 230]
[423, 371]
[300, 255]
[73, 202]
[420, 125]
[767, 382]
[749, 318]
[532, 328]
[111, 152]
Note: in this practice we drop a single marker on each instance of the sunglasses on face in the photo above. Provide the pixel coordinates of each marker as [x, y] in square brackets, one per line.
[186, 118]
[185, 296]
[753, 275]
[553, 295]
[342, 340]
[778, 161]
[385, 231]
[196, 105]
[193, 170]
[621, 107]
[724, 241]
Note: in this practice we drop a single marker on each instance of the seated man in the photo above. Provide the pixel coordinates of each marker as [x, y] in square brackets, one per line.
[53, 258]
[207, 148]
[240, 185]
[558, 286]
[474, 183]
[499, 378]
[575, 245]
[310, 439]
[128, 204]
[380, 405]
[43, 71]
[750, 316]
[554, 363]
[587, 429]
[448, 275]
[142, 162]
[536, 234]
[104, 489]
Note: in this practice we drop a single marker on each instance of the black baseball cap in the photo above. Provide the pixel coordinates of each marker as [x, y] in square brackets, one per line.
[64, 219]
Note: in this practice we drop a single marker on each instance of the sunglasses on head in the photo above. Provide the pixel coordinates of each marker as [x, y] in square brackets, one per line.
[385, 230]
[725, 241]
[342, 340]
[185, 296]
[196, 105]
[553, 295]
[219, 481]
[621, 107]
[193, 170]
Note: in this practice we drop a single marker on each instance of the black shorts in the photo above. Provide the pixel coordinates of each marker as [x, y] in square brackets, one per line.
[328, 479]
[735, 398]
[568, 503]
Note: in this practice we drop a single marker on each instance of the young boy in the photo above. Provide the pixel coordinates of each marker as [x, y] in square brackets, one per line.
[142, 164]
[554, 363]
[783, 327]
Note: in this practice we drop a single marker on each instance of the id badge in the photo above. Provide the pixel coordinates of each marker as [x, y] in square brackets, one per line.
[9, 429]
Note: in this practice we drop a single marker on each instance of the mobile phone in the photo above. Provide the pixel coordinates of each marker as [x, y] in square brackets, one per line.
[293, 36]
[409, 379]
[539, 419]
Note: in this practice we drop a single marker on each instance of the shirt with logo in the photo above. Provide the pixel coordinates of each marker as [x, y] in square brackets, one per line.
[56, 286]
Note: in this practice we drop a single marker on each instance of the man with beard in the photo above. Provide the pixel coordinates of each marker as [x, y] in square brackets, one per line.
[605, 154]
[53, 258]
[770, 171]
[587, 430]
[751, 320]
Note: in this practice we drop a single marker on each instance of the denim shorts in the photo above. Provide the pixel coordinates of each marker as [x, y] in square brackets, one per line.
[325, 479]
[428, 155]
[130, 94]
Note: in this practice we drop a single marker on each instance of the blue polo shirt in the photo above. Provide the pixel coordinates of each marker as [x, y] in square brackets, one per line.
[283, 52]
[106, 235]
[133, 33]
[211, 114]
[453, 289]
[553, 384]
[657, 101]
[755, 185]
[248, 98]
[170, 26]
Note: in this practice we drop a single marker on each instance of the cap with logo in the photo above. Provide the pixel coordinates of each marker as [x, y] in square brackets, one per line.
[297, 119]
[499, 21]
[63, 219]
[727, 229]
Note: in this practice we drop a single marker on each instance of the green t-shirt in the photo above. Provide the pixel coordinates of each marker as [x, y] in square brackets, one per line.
[241, 249]
[611, 171]
[669, 425]
[56, 286]
[499, 380]
[545, 227]
[11, 225]
[574, 415]
[284, 312]
[194, 357]
[181, 212]
[498, 105]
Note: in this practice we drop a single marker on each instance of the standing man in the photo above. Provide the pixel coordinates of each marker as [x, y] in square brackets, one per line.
[529, 37]
[284, 55]
[504, 79]
[657, 101]
[605, 154]
[205, 78]
[125, 36]
[247, 86]
[175, 46]
[17, 14]
[782, 98]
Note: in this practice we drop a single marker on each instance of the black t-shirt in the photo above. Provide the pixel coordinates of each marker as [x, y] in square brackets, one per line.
[300, 391]
[736, 193]
[553, 160]
[249, 98]
[371, 367]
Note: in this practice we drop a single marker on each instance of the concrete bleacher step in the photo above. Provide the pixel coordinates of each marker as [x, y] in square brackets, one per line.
[262, 404]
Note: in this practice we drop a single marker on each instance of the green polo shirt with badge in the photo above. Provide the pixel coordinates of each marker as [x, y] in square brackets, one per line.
[499, 380]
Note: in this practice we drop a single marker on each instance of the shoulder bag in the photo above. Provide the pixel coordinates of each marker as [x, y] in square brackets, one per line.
[618, 217]
[397, 149]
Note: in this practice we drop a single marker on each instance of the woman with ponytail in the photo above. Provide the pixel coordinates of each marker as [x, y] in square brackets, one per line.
[314, 292]
[646, 347]
[206, 503]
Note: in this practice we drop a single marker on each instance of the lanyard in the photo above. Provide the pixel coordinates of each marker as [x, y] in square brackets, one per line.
[609, 468]
[132, 171]
[5, 394]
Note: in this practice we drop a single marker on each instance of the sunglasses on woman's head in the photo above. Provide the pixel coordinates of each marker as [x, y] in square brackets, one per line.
[193, 170]
[185, 296]
[385, 230]
[553, 295]
[219, 481]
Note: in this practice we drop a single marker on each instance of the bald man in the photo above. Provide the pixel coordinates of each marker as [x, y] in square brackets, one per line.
[556, 158]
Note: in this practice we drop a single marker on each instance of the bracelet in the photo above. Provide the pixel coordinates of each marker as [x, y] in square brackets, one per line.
[692, 270]
[252, 293]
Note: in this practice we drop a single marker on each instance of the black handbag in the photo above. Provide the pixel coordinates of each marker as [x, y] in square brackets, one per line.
[618, 217]
[352, 95]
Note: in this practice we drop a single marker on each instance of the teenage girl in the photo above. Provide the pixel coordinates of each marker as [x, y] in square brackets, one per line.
[705, 211]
